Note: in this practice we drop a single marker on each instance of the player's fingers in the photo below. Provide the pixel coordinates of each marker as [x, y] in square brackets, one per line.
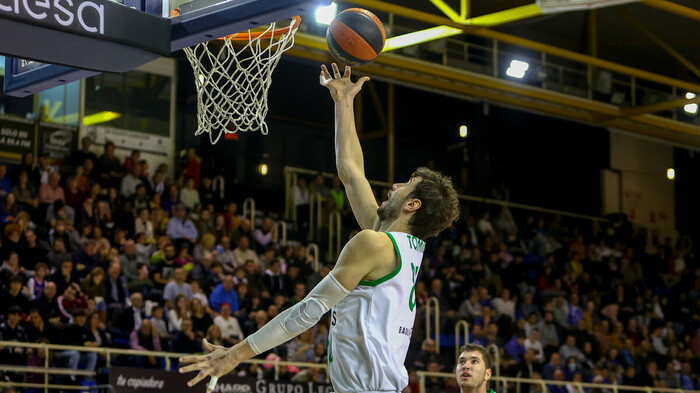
[347, 72]
[191, 359]
[207, 345]
[194, 367]
[362, 81]
[212, 383]
[324, 71]
[202, 374]
[336, 72]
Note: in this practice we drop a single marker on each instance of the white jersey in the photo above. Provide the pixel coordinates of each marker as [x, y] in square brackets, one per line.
[371, 328]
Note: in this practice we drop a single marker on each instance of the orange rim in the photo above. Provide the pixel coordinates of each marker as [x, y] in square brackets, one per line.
[296, 21]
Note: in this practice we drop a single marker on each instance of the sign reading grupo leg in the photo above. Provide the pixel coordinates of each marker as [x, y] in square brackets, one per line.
[138, 380]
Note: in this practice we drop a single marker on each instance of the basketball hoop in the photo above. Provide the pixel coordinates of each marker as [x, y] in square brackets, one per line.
[233, 75]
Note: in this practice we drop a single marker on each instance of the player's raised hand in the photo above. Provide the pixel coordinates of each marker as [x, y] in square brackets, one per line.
[341, 87]
[215, 364]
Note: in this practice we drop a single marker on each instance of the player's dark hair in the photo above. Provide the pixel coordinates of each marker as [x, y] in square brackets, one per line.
[485, 354]
[439, 204]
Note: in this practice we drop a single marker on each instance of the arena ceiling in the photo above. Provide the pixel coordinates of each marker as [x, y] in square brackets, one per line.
[653, 43]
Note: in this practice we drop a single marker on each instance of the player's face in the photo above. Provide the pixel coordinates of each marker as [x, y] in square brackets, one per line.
[391, 208]
[471, 371]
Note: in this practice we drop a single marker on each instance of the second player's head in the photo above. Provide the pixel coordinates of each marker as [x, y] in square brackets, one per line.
[473, 368]
[430, 200]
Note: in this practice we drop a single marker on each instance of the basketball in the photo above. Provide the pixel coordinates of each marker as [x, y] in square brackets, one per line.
[355, 37]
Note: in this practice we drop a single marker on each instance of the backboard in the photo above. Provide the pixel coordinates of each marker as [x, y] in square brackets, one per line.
[67, 40]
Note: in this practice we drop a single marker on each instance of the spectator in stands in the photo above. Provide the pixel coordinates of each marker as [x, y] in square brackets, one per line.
[177, 287]
[549, 335]
[427, 354]
[79, 334]
[71, 301]
[569, 349]
[130, 318]
[111, 171]
[37, 282]
[206, 245]
[504, 305]
[83, 153]
[5, 182]
[179, 310]
[528, 367]
[116, 287]
[173, 199]
[186, 340]
[301, 203]
[230, 328]
[65, 275]
[47, 304]
[14, 296]
[131, 262]
[274, 280]
[51, 191]
[515, 348]
[533, 343]
[26, 193]
[189, 195]
[181, 229]
[9, 209]
[201, 320]
[554, 365]
[243, 253]
[145, 338]
[224, 293]
[244, 229]
[165, 267]
[11, 330]
[262, 236]
[193, 166]
[301, 348]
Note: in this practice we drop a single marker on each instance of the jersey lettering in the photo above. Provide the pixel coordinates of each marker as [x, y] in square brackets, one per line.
[333, 321]
[415, 243]
[412, 295]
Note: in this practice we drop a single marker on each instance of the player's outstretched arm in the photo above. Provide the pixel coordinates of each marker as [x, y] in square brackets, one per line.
[367, 255]
[348, 152]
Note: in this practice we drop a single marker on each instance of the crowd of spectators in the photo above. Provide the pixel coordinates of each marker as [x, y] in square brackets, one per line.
[117, 256]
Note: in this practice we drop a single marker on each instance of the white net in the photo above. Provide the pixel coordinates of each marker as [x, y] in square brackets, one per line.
[233, 75]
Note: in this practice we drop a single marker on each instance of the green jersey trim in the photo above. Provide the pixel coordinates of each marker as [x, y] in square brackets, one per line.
[390, 275]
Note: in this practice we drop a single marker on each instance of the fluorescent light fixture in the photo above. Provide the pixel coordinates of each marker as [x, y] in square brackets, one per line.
[262, 169]
[419, 37]
[517, 69]
[689, 95]
[463, 131]
[324, 15]
[671, 173]
[100, 117]
[691, 108]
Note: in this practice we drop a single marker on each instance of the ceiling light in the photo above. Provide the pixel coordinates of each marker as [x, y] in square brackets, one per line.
[324, 15]
[671, 173]
[262, 169]
[691, 108]
[463, 131]
[517, 69]
[689, 95]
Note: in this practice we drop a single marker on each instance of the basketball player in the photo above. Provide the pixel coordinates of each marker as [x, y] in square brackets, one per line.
[474, 369]
[371, 288]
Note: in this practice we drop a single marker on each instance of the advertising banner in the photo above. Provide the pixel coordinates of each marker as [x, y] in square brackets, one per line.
[139, 380]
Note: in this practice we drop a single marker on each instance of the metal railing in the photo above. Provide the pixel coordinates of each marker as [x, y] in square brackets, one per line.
[433, 301]
[108, 353]
[167, 356]
[279, 235]
[462, 327]
[422, 375]
[334, 235]
[313, 250]
[315, 216]
[249, 211]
